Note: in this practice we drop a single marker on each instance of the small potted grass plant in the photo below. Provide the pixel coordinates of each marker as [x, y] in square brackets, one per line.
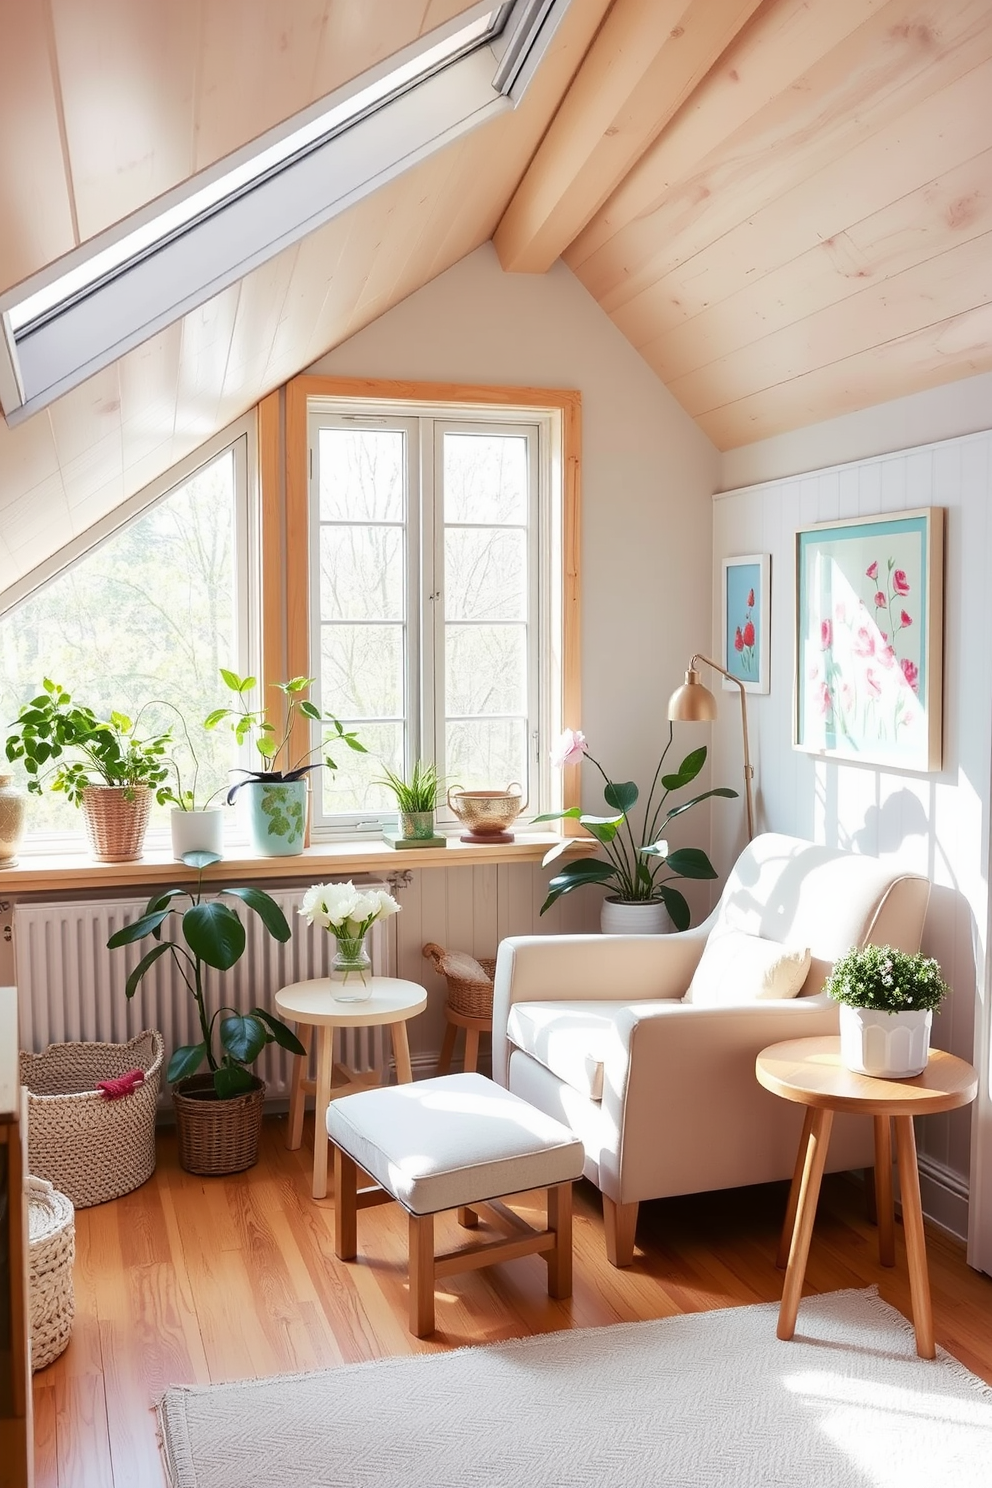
[416, 800]
[887, 1002]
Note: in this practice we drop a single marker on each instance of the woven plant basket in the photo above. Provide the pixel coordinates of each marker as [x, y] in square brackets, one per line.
[217, 1136]
[91, 1148]
[470, 981]
[116, 817]
[52, 1250]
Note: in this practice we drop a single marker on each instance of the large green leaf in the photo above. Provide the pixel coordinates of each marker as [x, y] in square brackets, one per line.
[214, 933]
[243, 1036]
[149, 959]
[266, 908]
[199, 858]
[720, 790]
[137, 930]
[575, 875]
[691, 862]
[603, 828]
[162, 901]
[687, 771]
[186, 1061]
[572, 811]
[231, 1080]
[284, 1036]
[621, 793]
[676, 905]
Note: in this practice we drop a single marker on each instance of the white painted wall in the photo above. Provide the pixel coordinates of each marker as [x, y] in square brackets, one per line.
[647, 477]
[936, 824]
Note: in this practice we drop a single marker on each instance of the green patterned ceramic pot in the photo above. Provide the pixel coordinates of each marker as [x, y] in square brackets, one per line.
[277, 816]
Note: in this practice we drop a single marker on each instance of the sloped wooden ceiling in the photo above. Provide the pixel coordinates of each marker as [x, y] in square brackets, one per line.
[786, 206]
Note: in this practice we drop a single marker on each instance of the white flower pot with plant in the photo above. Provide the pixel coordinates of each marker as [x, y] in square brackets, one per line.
[193, 828]
[887, 1001]
[634, 861]
[348, 913]
[278, 793]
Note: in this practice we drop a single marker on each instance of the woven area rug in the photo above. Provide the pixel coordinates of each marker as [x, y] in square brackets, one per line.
[702, 1399]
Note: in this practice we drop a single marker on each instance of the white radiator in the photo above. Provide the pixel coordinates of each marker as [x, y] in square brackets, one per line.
[70, 987]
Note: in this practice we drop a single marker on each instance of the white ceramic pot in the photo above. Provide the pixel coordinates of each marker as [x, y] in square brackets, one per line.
[640, 917]
[892, 1046]
[197, 831]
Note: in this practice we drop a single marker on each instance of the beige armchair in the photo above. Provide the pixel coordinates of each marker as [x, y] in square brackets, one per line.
[592, 1030]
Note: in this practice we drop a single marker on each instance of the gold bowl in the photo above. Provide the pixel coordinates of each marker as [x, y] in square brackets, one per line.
[486, 814]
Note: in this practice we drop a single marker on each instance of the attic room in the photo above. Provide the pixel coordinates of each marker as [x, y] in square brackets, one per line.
[409, 383]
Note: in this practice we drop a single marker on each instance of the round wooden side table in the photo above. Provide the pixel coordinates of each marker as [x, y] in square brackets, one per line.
[312, 1005]
[809, 1071]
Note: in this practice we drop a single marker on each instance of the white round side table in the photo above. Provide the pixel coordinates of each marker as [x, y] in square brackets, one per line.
[312, 1005]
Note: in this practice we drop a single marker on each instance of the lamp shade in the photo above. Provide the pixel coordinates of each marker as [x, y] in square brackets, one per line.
[692, 702]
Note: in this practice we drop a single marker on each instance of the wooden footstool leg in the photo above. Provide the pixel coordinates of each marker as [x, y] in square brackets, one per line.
[421, 1275]
[468, 1218]
[471, 1063]
[297, 1095]
[789, 1223]
[345, 1206]
[916, 1248]
[447, 1049]
[560, 1259]
[809, 1191]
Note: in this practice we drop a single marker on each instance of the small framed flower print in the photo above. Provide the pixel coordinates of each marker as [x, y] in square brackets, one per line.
[745, 620]
[868, 639]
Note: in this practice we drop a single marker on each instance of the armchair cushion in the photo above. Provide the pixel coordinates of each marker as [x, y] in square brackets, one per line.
[736, 967]
[568, 1041]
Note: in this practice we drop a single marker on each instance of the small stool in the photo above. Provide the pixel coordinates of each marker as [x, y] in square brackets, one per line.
[470, 1001]
[454, 1142]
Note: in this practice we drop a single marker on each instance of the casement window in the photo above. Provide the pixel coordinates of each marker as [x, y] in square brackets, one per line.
[435, 598]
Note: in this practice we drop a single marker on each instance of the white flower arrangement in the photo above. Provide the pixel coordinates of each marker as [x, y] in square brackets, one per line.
[344, 910]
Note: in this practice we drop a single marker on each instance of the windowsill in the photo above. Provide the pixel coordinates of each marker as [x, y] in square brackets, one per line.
[59, 872]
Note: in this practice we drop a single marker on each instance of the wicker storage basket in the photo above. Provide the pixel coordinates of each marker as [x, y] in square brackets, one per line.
[52, 1250]
[91, 1148]
[217, 1136]
[470, 980]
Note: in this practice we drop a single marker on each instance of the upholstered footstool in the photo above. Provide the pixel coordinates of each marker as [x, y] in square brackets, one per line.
[455, 1142]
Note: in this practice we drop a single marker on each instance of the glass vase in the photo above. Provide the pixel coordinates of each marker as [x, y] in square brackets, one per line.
[353, 964]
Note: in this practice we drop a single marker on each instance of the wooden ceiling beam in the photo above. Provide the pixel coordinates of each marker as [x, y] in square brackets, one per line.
[648, 57]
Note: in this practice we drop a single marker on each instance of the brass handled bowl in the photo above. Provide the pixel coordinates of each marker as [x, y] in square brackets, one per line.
[487, 814]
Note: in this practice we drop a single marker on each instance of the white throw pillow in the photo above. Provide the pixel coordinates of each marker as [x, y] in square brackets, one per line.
[736, 967]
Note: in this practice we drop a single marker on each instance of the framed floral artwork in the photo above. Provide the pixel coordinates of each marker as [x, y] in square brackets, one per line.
[745, 620]
[868, 639]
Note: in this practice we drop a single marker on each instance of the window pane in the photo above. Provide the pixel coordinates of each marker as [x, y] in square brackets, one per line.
[350, 787]
[361, 475]
[361, 672]
[485, 574]
[486, 669]
[485, 478]
[361, 573]
[487, 753]
[149, 615]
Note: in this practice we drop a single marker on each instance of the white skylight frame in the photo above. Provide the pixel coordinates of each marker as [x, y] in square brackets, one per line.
[123, 286]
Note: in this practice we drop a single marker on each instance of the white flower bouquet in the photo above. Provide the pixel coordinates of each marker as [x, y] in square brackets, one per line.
[348, 913]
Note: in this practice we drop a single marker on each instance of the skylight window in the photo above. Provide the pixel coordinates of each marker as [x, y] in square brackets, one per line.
[123, 286]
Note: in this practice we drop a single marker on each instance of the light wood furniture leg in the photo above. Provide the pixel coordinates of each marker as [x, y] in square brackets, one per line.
[325, 1065]
[884, 1208]
[916, 1250]
[297, 1092]
[814, 1158]
[345, 1206]
[421, 1275]
[447, 1049]
[401, 1054]
[468, 1218]
[471, 1050]
[789, 1223]
[620, 1223]
[560, 1259]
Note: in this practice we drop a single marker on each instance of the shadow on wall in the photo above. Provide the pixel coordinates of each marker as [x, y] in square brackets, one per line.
[886, 827]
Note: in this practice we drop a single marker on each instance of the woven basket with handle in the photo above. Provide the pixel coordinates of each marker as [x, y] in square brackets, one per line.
[470, 980]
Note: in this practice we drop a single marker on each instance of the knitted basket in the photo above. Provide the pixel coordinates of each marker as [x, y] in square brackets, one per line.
[91, 1148]
[52, 1249]
[470, 980]
[217, 1136]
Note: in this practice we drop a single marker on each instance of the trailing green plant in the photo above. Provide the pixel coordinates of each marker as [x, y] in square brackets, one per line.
[887, 980]
[633, 879]
[182, 795]
[274, 748]
[420, 792]
[210, 934]
[66, 744]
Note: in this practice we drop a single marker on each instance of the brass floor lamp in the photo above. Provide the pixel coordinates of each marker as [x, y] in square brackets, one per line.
[694, 703]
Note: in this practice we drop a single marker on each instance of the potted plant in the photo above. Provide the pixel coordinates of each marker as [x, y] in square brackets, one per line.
[218, 1113]
[194, 823]
[887, 1001]
[277, 793]
[416, 801]
[101, 765]
[634, 860]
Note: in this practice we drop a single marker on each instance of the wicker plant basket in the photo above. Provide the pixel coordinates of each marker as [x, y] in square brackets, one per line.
[217, 1136]
[470, 981]
[116, 817]
[52, 1250]
[91, 1148]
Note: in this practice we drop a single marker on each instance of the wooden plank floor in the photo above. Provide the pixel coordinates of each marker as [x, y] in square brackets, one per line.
[196, 1280]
